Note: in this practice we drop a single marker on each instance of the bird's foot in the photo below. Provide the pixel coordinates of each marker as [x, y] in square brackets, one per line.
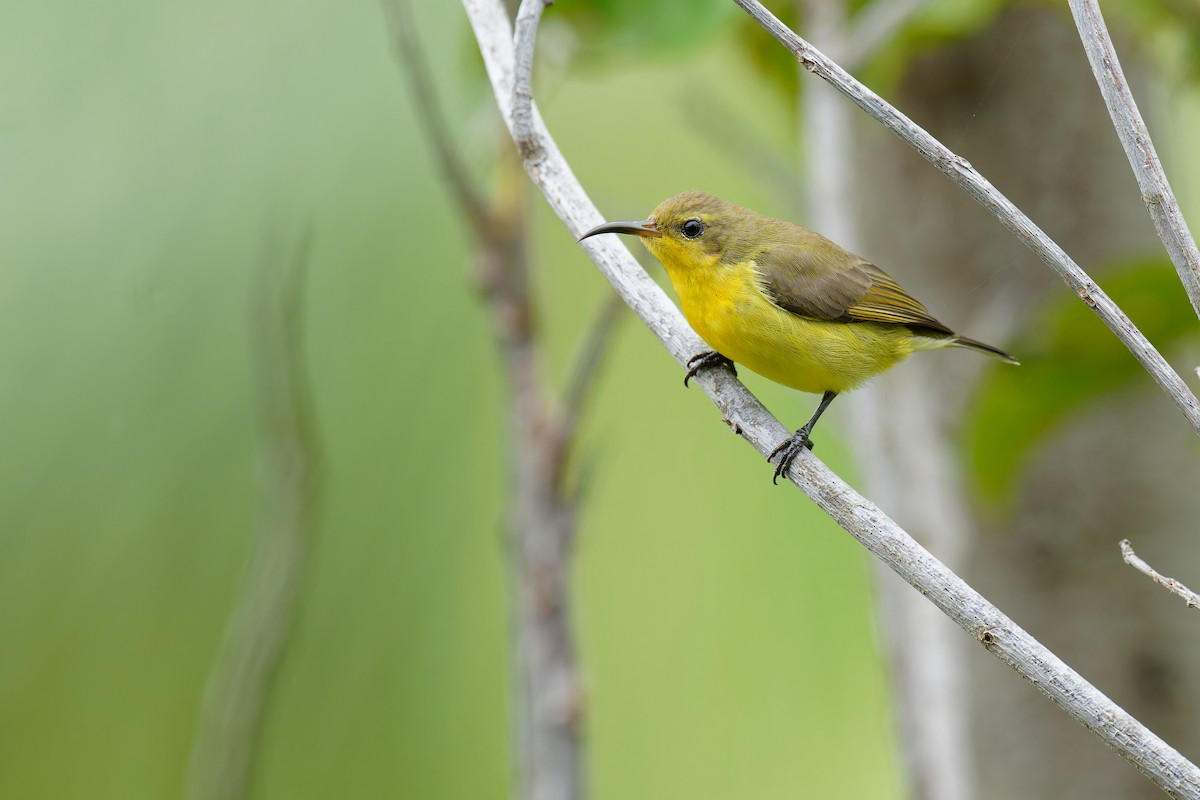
[709, 358]
[787, 451]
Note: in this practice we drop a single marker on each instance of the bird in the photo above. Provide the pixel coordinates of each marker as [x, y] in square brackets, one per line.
[784, 301]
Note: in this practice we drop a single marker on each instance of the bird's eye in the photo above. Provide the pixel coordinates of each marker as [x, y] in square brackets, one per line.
[692, 228]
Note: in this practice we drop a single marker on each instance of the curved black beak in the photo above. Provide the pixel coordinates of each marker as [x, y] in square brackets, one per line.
[646, 229]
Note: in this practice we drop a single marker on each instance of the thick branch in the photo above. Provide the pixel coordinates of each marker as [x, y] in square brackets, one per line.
[858, 516]
[962, 173]
[1131, 558]
[1135, 138]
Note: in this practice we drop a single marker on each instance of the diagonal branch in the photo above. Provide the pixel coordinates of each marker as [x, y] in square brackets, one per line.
[1135, 138]
[407, 50]
[857, 515]
[962, 173]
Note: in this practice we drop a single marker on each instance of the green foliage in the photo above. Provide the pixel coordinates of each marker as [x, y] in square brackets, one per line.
[1068, 358]
[616, 27]
[1165, 32]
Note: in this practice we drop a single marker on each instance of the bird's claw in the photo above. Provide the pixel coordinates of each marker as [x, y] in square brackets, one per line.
[787, 451]
[709, 358]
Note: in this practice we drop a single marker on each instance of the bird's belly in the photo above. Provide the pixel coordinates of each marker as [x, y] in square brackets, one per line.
[805, 354]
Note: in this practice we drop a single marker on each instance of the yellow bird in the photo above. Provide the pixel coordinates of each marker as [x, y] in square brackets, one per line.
[785, 302]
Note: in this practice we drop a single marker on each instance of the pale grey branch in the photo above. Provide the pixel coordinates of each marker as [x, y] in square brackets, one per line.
[1139, 148]
[962, 173]
[857, 515]
[1132, 559]
[528, 17]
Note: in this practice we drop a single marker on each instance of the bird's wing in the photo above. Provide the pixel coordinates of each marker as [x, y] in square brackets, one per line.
[820, 280]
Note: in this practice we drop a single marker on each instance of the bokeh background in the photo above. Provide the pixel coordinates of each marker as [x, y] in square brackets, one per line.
[147, 151]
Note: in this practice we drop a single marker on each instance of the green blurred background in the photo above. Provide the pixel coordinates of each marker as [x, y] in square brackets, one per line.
[145, 149]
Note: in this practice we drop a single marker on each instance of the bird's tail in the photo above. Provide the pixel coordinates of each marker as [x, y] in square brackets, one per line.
[974, 344]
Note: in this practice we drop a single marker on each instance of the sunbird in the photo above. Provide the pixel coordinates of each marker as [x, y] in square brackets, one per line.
[784, 301]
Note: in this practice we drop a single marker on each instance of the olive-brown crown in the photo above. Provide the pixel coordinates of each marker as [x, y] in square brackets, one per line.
[713, 225]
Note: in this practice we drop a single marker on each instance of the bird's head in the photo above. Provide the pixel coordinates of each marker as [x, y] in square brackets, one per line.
[685, 231]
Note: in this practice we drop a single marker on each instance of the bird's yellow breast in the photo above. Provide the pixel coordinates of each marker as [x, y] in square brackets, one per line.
[725, 304]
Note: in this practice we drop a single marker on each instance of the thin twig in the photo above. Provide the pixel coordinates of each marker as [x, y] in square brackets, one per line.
[857, 515]
[588, 362]
[1132, 559]
[407, 50]
[239, 689]
[962, 173]
[1135, 138]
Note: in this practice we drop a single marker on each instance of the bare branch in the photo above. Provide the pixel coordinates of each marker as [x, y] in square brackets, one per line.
[857, 515]
[962, 173]
[407, 50]
[1135, 138]
[586, 370]
[528, 17]
[1132, 559]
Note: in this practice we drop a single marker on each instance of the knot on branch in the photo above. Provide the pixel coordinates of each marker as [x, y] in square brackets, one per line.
[530, 147]
[986, 636]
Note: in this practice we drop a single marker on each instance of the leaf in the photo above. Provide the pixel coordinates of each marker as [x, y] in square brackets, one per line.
[613, 28]
[1068, 359]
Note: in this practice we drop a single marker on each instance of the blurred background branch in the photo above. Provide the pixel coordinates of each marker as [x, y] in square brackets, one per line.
[407, 50]
[917, 484]
[237, 698]
[543, 510]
